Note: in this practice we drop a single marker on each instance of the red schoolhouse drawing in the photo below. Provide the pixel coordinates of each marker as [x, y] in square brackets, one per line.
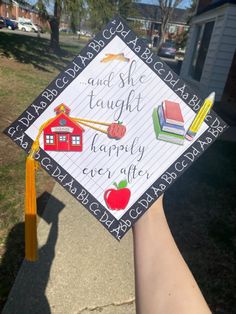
[63, 134]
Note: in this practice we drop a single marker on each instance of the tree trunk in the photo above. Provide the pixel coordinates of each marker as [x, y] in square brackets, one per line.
[167, 8]
[162, 37]
[54, 25]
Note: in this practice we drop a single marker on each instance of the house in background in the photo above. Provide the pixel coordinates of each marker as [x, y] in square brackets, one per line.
[210, 63]
[14, 10]
[148, 20]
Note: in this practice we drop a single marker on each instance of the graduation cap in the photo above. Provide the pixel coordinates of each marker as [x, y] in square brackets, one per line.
[110, 128]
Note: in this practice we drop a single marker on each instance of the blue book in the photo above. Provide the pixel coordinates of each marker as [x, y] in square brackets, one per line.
[169, 127]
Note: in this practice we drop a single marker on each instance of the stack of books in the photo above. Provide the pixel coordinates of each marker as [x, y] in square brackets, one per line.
[169, 123]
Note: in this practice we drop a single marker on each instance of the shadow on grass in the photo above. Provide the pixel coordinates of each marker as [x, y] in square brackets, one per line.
[33, 50]
[201, 211]
[31, 296]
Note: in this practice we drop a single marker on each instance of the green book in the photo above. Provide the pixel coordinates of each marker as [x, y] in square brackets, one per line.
[165, 136]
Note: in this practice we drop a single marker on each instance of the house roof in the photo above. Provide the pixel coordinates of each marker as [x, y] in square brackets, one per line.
[215, 4]
[6, 1]
[22, 4]
[152, 13]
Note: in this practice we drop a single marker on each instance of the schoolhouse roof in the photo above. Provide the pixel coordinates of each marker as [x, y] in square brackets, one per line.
[64, 117]
[62, 108]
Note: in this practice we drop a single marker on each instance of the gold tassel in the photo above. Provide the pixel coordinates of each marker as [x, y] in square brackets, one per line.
[31, 245]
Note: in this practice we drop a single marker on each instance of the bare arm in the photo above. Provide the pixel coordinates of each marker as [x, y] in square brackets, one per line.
[164, 283]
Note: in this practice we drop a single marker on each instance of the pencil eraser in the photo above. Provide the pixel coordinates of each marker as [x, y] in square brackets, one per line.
[188, 137]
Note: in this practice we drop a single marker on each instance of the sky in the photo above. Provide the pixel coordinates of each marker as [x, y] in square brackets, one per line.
[184, 4]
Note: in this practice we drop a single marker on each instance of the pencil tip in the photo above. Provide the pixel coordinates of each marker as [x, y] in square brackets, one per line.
[212, 96]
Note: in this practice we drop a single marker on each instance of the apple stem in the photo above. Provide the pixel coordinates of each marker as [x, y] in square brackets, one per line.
[115, 184]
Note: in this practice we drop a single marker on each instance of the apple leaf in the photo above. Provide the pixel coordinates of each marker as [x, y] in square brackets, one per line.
[123, 184]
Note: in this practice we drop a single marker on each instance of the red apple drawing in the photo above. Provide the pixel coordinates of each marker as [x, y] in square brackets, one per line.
[117, 199]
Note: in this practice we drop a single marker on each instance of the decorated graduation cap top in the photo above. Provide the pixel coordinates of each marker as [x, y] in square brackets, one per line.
[111, 129]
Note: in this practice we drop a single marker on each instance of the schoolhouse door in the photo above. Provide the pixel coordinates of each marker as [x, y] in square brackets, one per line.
[63, 142]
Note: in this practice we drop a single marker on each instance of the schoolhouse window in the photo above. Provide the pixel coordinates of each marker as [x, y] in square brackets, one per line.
[62, 138]
[75, 140]
[49, 139]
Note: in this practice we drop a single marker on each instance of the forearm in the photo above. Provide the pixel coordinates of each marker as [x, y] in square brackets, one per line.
[164, 284]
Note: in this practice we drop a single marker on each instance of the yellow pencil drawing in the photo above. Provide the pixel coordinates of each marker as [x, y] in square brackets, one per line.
[119, 56]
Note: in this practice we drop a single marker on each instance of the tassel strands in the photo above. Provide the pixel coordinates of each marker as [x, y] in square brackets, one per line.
[31, 245]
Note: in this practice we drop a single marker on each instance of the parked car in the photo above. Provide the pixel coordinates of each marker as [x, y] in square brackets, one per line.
[40, 29]
[2, 22]
[81, 32]
[84, 33]
[147, 41]
[65, 30]
[10, 24]
[24, 26]
[34, 27]
[167, 49]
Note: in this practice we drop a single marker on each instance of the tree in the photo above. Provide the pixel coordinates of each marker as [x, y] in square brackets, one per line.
[181, 39]
[167, 8]
[192, 10]
[76, 10]
[71, 7]
[125, 8]
[100, 12]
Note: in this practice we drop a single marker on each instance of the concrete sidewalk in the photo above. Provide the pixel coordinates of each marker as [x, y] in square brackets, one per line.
[81, 267]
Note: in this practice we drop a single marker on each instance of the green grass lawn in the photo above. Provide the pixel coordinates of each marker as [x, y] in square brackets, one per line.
[26, 68]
